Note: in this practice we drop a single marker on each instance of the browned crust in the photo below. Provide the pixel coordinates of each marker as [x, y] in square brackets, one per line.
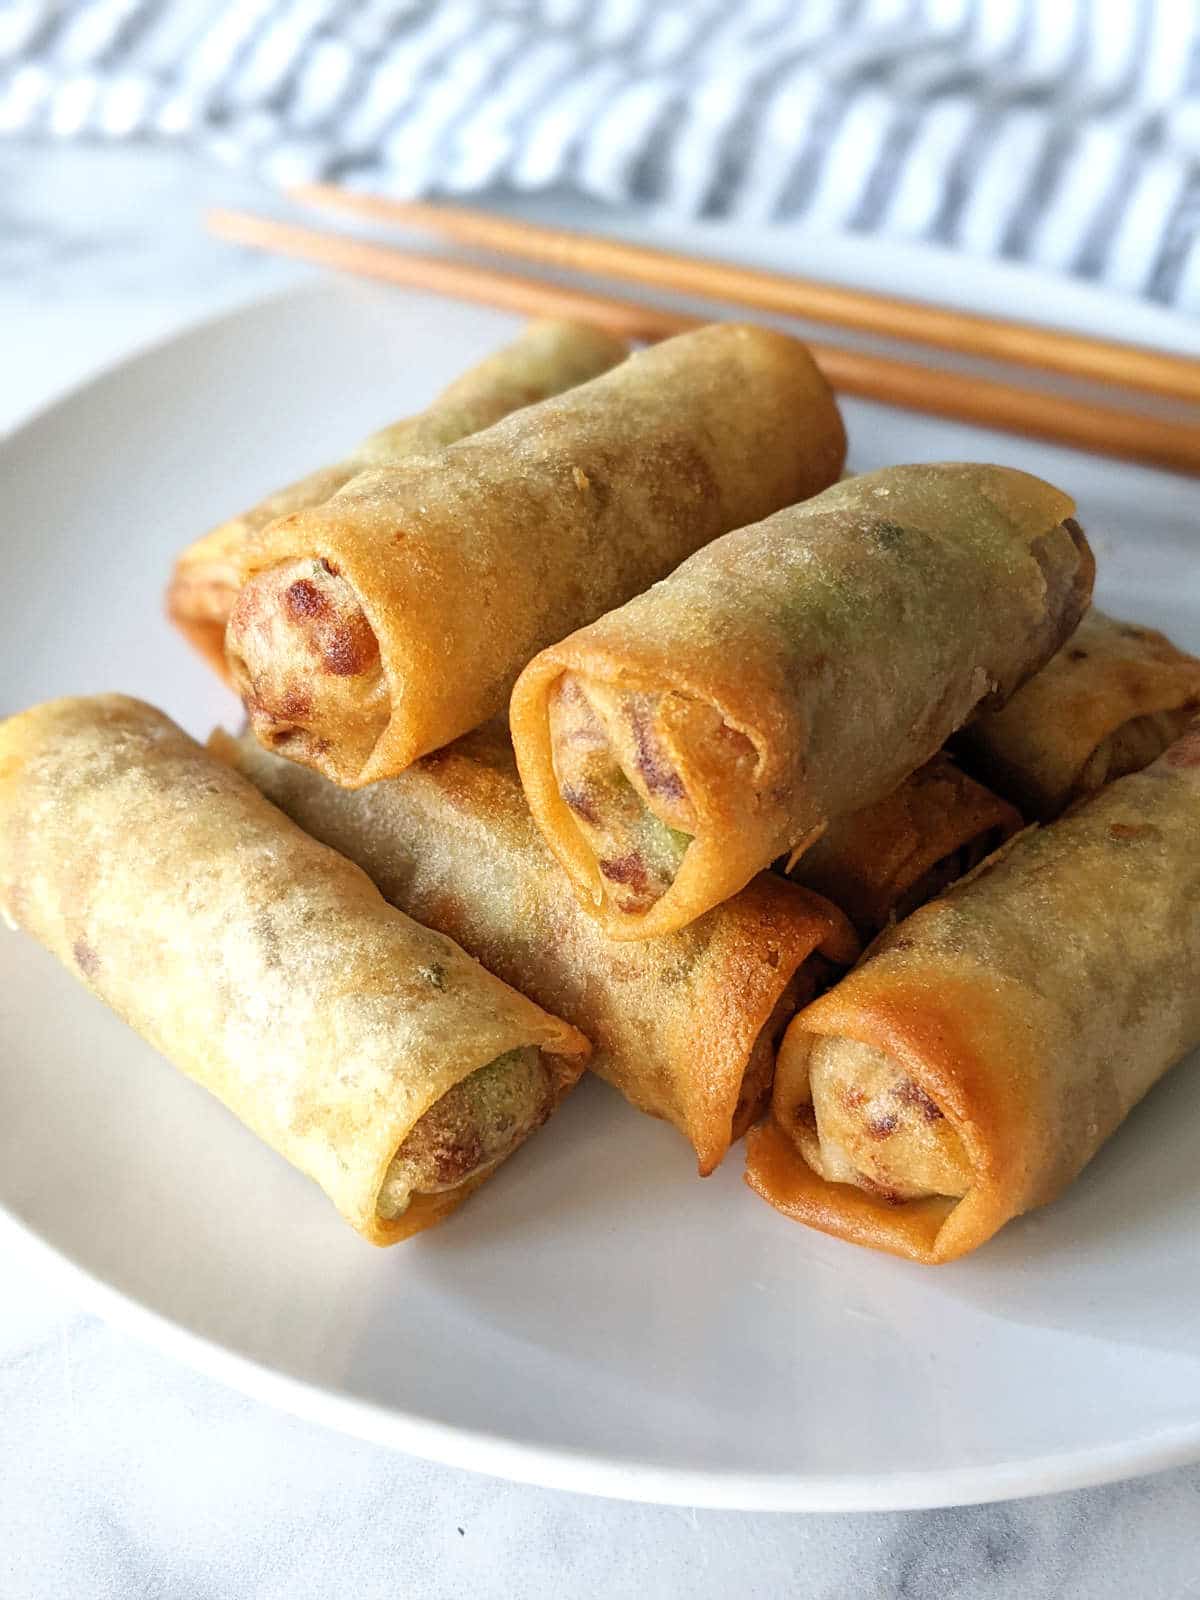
[790, 928]
[1109, 673]
[872, 861]
[205, 580]
[673, 1023]
[546, 358]
[712, 634]
[776, 1173]
[1033, 1005]
[424, 1211]
[947, 1034]
[262, 963]
[466, 567]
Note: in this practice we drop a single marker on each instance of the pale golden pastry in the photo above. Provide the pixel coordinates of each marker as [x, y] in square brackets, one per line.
[882, 862]
[547, 358]
[373, 1053]
[461, 567]
[1109, 703]
[788, 674]
[685, 1027]
[984, 1049]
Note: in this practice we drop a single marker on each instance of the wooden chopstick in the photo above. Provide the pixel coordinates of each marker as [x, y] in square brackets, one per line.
[1031, 413]
[1025, 344]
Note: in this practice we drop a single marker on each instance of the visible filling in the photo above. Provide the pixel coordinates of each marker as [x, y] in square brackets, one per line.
[471, 1129]
[618, 770]
[868, 1124]
[207, 577]
[305, 661]
[1133, 746]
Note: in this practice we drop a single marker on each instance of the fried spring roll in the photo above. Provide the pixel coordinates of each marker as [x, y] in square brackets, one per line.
[982, 1052]
[1109, 703]
[788, 674]
[371, 1052]
[685, 1027]
[396, 616]
[881, 863]
[548, 358]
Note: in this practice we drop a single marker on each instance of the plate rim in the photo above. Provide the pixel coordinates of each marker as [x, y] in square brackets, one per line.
[586, 1471]
[581, 1470]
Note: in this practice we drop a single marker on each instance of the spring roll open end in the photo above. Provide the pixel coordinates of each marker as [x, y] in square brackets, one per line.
[865, 1121]
[470, 1130]
[305, 660]
[1032, 1007]
[266, 965]
[547, 358]
[207, 576]
[1134, 745]
[615, 773]
[764, 669]
[799, 1192]
[686, 1028]
[1108, 704]
[869, 1136]
[618, 769]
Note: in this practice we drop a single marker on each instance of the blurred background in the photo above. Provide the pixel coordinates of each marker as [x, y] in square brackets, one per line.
[1061, 133]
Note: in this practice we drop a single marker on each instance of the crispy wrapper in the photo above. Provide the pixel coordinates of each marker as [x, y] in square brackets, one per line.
[881, 863]
[1110, 702]
[685, 1027]
[396, 616]
[548, 358]
[787, 675]
[984, 1049]
[266, 966]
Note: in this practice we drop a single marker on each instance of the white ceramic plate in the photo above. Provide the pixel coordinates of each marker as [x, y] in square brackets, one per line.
[597, 1318]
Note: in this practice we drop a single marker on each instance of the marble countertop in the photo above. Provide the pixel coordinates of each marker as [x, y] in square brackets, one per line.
[122, 1474]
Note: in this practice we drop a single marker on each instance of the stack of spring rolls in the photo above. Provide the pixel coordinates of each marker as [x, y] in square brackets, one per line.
[594, 719]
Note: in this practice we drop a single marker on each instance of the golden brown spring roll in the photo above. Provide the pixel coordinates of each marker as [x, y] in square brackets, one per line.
[685, 1027]
[983, 1050]
[1109, 703]
[548, 358]
[788, 674]
[881, 863]
[396, 616]
[373, 1053]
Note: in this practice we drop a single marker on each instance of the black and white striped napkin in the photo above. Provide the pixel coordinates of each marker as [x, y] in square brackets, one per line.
[1060, 132]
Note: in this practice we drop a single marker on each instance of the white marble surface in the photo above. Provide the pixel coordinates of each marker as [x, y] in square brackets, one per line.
[122, 1474]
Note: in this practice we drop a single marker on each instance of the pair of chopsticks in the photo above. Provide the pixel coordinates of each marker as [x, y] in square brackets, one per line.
[1102, 429]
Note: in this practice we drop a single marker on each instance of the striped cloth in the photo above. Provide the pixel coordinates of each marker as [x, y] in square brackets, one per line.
[1060, 132]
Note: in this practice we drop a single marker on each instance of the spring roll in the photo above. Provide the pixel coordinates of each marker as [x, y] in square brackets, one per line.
[881, 863]
[983, 1051]
[685, 1027]
[396, 616]
[371, 1052]
[787, 675]
[1109, 703]
[548, 358]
